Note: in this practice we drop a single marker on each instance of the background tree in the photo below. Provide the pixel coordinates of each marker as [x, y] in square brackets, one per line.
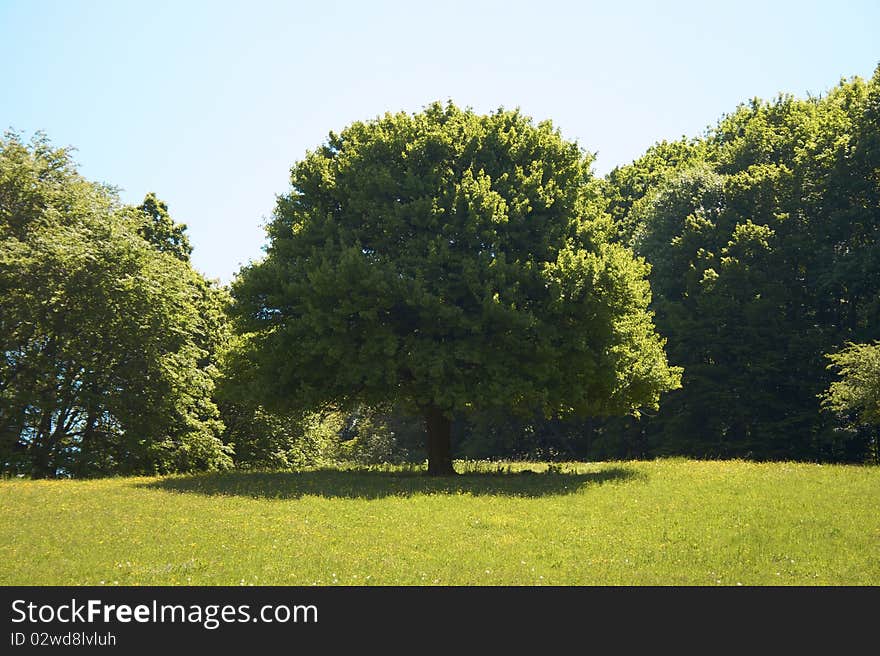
[764, 236]
[108, 342]
[267, 440]
[159, 229]
[448, 262]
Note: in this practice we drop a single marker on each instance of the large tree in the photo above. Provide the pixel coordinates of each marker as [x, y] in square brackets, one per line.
[448, 261]
[107, 337]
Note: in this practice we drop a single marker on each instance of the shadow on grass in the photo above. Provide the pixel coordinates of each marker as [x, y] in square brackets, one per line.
[366, 484]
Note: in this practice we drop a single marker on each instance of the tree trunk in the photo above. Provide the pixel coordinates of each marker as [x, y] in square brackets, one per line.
[40, 448]
[85, 444]
[439, 429]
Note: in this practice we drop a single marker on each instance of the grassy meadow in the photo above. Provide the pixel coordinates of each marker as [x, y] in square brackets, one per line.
[664, 522]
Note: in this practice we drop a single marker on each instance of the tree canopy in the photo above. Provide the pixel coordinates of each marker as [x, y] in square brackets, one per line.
[108, 340]
[448, 261]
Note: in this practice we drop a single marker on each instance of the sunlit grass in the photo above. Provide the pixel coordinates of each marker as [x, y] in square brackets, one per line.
[667, 522]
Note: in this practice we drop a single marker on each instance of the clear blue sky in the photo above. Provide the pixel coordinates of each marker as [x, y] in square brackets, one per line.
[209, 103]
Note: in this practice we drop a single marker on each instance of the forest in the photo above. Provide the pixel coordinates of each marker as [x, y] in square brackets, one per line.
[448, 285]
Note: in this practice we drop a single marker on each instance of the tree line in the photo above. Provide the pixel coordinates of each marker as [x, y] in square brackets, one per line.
[764, 238]
[448, 283]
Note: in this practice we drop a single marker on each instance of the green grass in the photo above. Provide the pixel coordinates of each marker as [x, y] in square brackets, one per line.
[666, 522]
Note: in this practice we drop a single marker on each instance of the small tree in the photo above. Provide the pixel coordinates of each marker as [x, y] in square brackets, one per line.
[855, 396]
[448, 261]
[857, 392]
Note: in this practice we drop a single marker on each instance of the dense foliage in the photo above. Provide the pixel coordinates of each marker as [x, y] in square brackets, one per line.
[449, 262]
[764, 237]
[107, 340]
